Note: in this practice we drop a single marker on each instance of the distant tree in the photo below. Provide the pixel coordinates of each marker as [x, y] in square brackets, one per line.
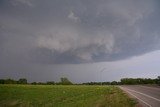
[34, 83]
[65, 81]
[10, 81]
[50, 83]
[41, 83]
[22, 81]
[2, 81]
[114, 83]
[133, 81]
[105, 83]
[158, 80]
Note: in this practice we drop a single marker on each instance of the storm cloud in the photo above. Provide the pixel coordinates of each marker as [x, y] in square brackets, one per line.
[77, 31]
[37, 35]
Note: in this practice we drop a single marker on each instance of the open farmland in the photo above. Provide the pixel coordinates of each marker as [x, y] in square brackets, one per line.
[63, 96]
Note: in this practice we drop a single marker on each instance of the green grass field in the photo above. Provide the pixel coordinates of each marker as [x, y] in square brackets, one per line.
[63, 96]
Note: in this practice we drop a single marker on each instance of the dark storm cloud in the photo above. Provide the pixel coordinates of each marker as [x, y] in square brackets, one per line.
[53, 32]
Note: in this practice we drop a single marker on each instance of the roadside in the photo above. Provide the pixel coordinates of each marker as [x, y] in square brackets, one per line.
[139, 103]
[145, 95]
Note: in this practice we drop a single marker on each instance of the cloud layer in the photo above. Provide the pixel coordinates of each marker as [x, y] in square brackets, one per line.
[55, 32]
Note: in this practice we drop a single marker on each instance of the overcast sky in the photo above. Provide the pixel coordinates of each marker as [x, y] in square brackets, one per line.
[43, 40]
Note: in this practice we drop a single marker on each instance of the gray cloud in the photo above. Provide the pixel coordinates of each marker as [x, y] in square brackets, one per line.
[55, 32]
[21, 2]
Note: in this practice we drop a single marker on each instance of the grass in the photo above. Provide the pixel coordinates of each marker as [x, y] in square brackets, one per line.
[63, 96]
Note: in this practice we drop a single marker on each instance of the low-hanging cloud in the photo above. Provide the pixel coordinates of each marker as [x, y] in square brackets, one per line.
[82, 47]
[78, 32]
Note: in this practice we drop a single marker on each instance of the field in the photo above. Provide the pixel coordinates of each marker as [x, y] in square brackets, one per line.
[63, 96]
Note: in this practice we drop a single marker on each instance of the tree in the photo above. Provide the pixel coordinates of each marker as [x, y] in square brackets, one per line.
[65, 81]
[34, 83]
[158, 80]
[22, 81]
[114, 83]
[2, 81]
[50, 83]
[10, 81]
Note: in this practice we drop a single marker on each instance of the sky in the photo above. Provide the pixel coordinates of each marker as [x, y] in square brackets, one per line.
[83, 40]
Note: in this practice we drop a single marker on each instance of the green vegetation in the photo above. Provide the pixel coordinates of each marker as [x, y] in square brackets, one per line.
[129, 81]
[11, 81]
[63, 81]
[63, 96]
[136, 81]
[66, 81]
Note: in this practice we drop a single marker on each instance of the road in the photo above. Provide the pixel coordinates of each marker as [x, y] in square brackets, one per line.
[147, 96]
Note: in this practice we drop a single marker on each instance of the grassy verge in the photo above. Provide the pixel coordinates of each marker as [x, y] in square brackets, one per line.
[63, 96]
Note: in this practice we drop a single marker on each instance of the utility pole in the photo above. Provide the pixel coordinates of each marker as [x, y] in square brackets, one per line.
[101, 74]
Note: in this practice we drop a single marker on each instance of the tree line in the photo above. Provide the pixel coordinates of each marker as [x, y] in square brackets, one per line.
[66, 81]
[63, 81]
[128, 81]
[12, 81]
